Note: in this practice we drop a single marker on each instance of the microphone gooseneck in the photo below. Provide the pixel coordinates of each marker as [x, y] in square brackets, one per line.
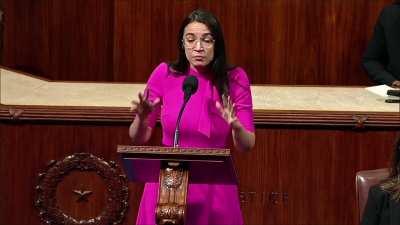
[189, 87]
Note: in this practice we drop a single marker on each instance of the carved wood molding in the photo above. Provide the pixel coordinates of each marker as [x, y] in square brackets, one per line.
[174, 150]
[327, 118]
[110, 172]
[261, 117]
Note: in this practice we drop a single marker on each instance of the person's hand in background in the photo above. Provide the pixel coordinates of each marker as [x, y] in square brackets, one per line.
[396, 84]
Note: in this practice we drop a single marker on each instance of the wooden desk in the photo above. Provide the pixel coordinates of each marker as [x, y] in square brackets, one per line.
[310, 141]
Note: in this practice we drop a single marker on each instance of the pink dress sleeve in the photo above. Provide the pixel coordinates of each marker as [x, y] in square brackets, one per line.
[155, 88]
[241, 96]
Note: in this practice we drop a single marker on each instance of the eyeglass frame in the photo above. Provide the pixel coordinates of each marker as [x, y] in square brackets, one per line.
[200, 40]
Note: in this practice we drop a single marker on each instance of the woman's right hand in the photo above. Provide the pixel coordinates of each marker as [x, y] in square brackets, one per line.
[144, 107]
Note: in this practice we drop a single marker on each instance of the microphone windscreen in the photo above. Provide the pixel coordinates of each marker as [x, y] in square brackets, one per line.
[190, 85]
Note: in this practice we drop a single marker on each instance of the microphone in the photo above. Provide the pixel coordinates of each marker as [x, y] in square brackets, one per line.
[393, 93]
[189, 87]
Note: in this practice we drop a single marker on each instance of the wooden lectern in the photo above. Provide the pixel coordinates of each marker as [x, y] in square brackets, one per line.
[171, 167]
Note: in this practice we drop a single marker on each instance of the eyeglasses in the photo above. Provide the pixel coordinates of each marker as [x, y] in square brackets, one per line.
[206, 42]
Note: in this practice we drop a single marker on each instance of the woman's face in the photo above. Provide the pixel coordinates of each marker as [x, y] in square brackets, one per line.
[199, 45]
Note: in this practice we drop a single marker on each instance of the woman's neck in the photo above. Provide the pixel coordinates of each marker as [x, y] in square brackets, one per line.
[203, 69]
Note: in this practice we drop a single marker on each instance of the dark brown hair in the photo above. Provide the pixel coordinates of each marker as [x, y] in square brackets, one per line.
[218, 65]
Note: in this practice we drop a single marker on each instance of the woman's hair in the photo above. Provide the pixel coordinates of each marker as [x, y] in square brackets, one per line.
[218, 65]
[392, 183]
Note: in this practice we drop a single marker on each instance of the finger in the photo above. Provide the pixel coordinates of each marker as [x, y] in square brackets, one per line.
[133, 108]
[229, 102]
[140, 95]
[232, 110]
[219, 107]
[224, 100]
[134, 105]
[146, 94]
[230, 105]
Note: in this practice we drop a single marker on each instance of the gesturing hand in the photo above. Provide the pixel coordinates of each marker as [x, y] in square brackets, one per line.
[144, 107]
[227, 110]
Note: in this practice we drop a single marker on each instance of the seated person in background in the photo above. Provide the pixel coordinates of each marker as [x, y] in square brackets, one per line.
[383, 204]
[382, 56]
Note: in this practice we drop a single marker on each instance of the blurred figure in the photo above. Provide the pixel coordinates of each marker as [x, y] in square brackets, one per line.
[383, 204]
[381, 59]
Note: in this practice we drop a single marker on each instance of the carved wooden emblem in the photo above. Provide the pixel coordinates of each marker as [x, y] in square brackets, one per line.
[171, 205]
[82, 195]
[109, 174]
[360, 121]
[15, 113]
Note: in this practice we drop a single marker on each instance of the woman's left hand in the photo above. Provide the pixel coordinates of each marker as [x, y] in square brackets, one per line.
[227, 110]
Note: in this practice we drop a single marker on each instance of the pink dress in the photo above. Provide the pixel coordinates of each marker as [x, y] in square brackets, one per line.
[201, 126]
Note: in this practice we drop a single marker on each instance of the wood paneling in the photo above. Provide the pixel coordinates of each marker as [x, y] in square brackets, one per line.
[27, 148]
[298, 174]
[310, 171]
[63, 40]
[276, 41]
[294, 175]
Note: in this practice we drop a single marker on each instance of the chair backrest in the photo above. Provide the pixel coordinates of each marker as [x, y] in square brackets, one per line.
[364, 180]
